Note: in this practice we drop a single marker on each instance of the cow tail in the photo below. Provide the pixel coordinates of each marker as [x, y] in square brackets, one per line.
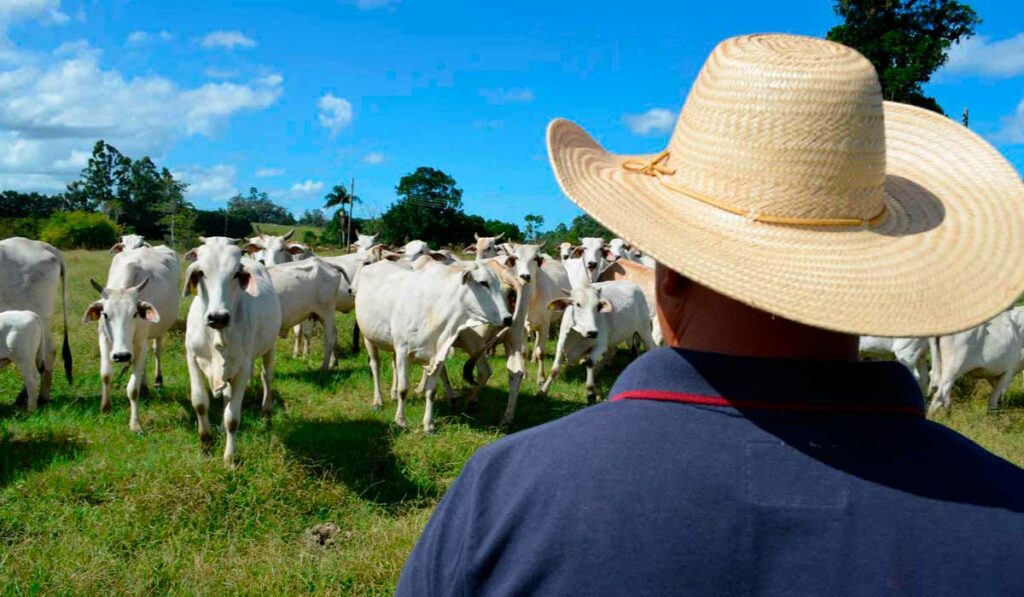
[467, 371]
[355, 337]
[936, 369]
[66, 349]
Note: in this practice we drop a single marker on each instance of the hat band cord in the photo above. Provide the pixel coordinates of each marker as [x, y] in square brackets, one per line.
[655, 167]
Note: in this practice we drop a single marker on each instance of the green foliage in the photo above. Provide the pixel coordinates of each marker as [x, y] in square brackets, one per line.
[27, 227]
[533, 224]
[314, 217]
[906, 40]
[257, 207]
[309, 237]
[79, 230]
[15, 204]
[430, 188]
[221, 223]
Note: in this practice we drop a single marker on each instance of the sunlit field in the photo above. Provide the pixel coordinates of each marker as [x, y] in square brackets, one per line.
[88, 507]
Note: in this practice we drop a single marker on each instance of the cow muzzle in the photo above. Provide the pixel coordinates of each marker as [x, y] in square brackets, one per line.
[591, 334]
[591, 265]
[121, 357]
[507, 321]
[525, 277]
[218, 321]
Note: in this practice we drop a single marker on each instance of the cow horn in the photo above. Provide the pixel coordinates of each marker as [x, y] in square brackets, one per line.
[289, 234]
[499, 237]
[138, 287]
[99, 287]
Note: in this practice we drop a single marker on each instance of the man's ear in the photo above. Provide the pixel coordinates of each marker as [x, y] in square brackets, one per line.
[148, 312]
[559, 304]
[604, 306]
[93, 312]
[117, 248]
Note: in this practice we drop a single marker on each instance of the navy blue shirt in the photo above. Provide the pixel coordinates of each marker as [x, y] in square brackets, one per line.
[715, 475]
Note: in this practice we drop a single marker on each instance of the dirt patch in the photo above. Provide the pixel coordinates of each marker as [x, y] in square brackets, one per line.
[326, 535]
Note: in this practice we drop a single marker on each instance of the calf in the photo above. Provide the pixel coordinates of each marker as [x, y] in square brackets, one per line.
[642, 276]
[139, 304]
[29, 273]
[993, 351]
[307, 289]
[234, 319]
[598, 318]
[911, 352]
[551, 281]
[23, 342]
[418, 313]
[485, 247]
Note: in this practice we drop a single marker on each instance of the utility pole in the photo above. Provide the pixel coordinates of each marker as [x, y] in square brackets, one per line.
[351, 208]
[966, 118]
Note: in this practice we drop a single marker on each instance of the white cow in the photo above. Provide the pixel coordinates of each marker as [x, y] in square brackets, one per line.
[272, 250]
[363, 242]
[129, 242]
[414, 249]
[306, 289]
[577, 272]
[139, 304]
[642, 276]
[594, 254]
[485, 246]
[564, 251]
[422, 321]
[598, 318]
[23, 342]
[234, 319]
[621, 249]
[29, 272]
[910, 352]
[993, 351]
[551, 282]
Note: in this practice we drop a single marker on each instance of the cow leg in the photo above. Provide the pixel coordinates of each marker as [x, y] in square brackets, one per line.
[50, 357]
[267, 377]
[401, 384]
[330, 339]
[135, 384]
[106, 375]
[200, 398]
[30, 374]
[941, 399]
[560, 349]
[297, 330]
[593, 365]
[540, 349]
[158, 371]
[374, 354]
[516, 365]
[428, 411]
[394, 378]
[483, 371]
[443, 377]
[233, 412]
[999, 390]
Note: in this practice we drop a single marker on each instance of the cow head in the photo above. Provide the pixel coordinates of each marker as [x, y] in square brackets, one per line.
[593, 255]
[414, 249]
[272, 250]
[219, 277]
[118, 311]
[618, 249]
[129, 242]
[364, 242]
[485, 299]
[565, 251]
[581, 308]
[485, 247]
[525, 261]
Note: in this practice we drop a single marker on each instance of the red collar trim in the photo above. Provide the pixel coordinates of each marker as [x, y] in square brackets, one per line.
[701, 399]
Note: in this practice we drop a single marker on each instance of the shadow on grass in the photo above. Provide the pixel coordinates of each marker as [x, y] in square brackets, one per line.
[531, 410]
[35, 453]
[358, 454]
[314, 376]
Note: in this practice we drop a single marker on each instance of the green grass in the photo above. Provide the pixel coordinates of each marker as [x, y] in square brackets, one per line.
[88, 507]
[280, 229]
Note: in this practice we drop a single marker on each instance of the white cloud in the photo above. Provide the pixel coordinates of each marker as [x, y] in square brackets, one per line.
[375, 158]
[488, 125]
[142, 37]
[220, 73]
[229, 40]
[335, 113]
[1012, 130]
[653, 121]
[373, 4]
[269, 172]
[980, 56]
[52, 106]
[307, 188]
[215, 183]
[272, 80]
[46, 11]
[515, 95]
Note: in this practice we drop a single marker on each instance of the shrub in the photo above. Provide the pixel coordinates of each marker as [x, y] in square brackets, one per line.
[79, 230]
[309, 237]
[27, 227]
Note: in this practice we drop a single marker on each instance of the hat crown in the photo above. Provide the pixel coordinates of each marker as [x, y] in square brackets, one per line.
[784, 125]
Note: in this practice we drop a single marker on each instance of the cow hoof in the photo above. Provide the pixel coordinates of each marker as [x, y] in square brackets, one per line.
[106, 407]
[506, 426]
[429, 430]
[377, 408]
[158, 382]
[206, 438]
[402, 424]
[591, 398]
[137, 429]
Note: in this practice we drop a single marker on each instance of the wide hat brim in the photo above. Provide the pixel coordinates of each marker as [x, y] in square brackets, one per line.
[948, 256]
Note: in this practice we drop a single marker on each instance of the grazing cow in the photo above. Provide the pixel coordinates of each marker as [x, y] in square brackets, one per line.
[422, 321]
[414, 249]
[911, 352]
[23, 342]
[234, 319]
[993, 351]
[551, 282]
[485, 247]
[642, 276]
[129, 242]
[272, 250]
[564, 251]
[598, 318]
[306, 289]
[29, 272]
[139, 303]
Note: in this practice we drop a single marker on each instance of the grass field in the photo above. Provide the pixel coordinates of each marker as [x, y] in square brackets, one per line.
[88, 507]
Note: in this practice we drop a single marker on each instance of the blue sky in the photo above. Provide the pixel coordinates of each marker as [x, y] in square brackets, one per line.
[295, 97]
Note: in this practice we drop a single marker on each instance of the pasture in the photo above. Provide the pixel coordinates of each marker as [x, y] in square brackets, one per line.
[86, 506]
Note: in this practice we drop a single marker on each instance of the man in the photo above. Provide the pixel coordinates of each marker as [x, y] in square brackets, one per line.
[792, 210]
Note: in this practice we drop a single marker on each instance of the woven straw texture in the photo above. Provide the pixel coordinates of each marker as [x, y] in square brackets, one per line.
[795, 127]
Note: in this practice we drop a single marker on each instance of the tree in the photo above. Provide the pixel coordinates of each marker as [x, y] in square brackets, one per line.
[336, 230]
[103, 182]
[176, 215]
[314, 217]
[533, 224]
[256, 207]
[906, 40]
[429, 208]
[430, 187]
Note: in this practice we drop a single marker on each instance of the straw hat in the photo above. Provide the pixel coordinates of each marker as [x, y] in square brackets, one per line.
[790, 185]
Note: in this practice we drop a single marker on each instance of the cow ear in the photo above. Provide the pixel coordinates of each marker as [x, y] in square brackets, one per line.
[192, 275]
[604, 306]
[470, 249]
[93, 312]
[540, 260]
[148, 312]
[510, 260]
[248, 282]
[117, 248]
[190, 255]
[576, 252]
[297, 249]
[467, 277]
[559, 304]
[251, 248]
[607, 253]
[437, 256]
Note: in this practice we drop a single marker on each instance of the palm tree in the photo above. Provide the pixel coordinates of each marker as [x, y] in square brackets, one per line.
[339, 197]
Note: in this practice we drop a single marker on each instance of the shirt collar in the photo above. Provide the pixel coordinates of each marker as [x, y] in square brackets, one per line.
[711, 379]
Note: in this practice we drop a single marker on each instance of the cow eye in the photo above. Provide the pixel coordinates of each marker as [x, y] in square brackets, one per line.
[485, 284]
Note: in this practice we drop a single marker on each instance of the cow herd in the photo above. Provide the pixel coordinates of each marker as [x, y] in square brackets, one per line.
[414, 303]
